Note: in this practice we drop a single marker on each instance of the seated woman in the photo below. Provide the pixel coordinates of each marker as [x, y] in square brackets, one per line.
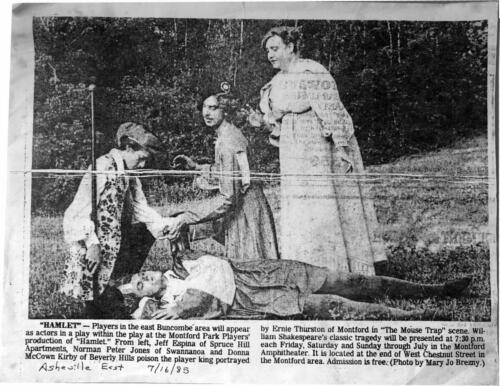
[210, 287]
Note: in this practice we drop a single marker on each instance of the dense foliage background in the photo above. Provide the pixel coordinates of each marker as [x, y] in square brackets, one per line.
[409, 86]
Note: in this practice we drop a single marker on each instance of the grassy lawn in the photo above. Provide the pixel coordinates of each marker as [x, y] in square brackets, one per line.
[435, 229]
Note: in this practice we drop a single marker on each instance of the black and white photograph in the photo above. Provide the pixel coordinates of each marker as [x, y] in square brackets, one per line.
[253, 169]
[257, 192]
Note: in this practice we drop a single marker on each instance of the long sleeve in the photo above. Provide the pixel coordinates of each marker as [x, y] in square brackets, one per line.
[210, 288]
[77, 225]
[227, 196]
[212, 275]
[271, 118]
[244, 168]
[264, 104]
[209, 177]
[143, 213]
[325, 102]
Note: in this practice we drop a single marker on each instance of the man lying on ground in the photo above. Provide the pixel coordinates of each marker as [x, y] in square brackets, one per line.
[210, 287]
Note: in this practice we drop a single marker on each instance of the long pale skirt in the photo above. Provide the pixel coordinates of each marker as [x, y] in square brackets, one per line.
[327, 218]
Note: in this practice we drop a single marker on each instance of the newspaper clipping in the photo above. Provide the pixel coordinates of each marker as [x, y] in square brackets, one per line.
[252, 192]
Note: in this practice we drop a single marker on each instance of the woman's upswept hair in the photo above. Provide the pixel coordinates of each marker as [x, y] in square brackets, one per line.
[230, 104]
[227, 102]
[287, 34]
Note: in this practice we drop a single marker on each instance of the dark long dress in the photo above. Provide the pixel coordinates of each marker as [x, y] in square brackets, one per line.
[247, 220]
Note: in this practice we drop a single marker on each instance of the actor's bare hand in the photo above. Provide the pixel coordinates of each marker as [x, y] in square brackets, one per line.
[254, 117]
[93, 257]
[183, 161]
[174, 230]
[345, 160]
[165, 313]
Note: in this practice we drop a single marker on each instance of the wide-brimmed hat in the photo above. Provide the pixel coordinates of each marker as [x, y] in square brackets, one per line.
[139, 134]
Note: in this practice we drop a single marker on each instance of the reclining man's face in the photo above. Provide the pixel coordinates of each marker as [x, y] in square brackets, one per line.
[148, 283]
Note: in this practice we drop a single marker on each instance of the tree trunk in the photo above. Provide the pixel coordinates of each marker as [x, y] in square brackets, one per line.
[391, 46]
[230, 71]
[399, 43]
[364, 41]
[241, 39]
[240, 54]
[186, 39]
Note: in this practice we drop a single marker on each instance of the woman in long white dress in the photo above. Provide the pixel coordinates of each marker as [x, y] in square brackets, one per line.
[327, 218]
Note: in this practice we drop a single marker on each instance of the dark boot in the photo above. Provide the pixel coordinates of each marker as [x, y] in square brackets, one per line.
[111, 305]
[455, 288]
[136, 241]
[91, 310]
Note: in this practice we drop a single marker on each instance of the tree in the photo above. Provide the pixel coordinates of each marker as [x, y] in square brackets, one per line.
[409, 86]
